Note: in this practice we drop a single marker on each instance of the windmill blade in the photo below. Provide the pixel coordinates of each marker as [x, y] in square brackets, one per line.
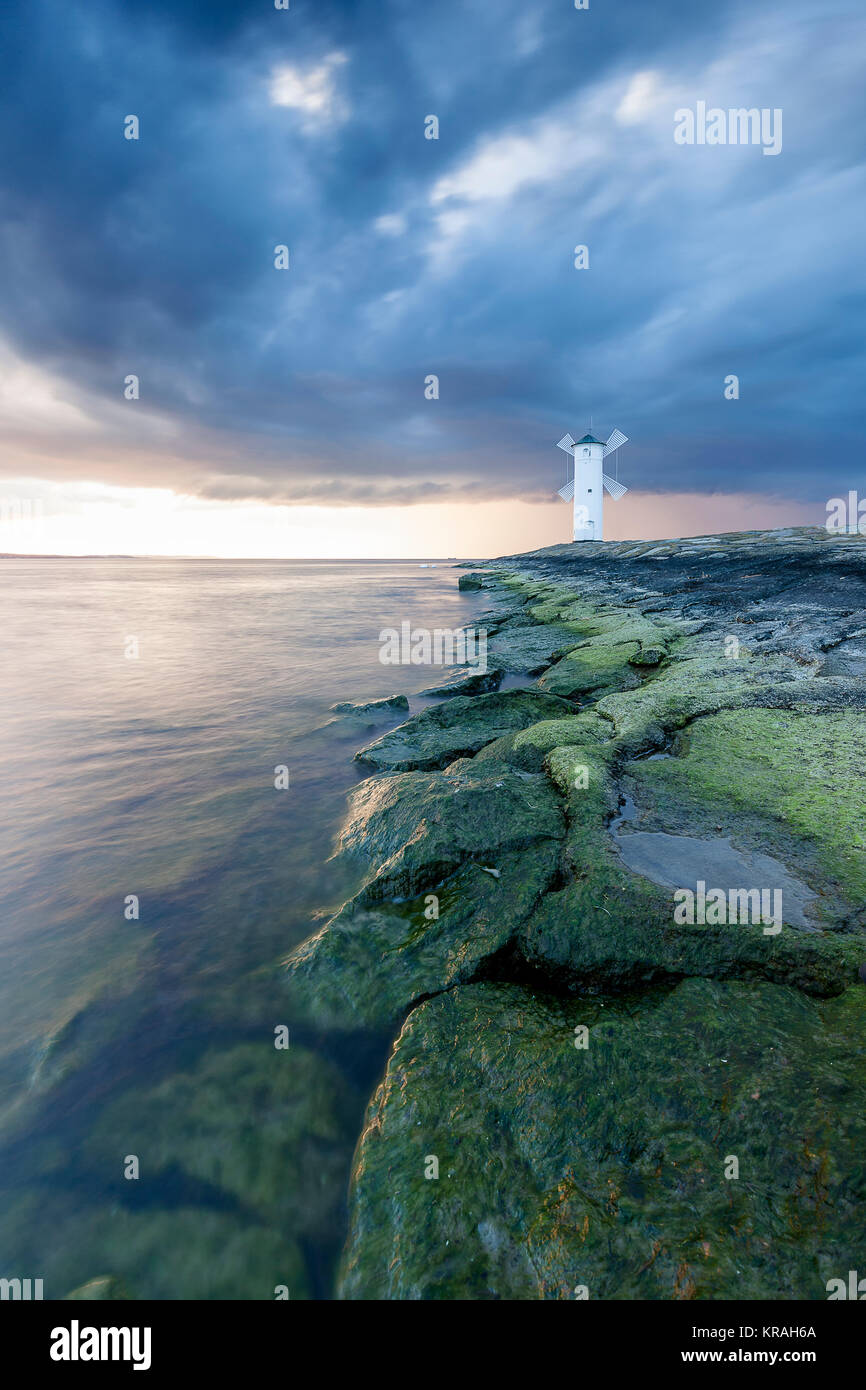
[616, 490]
[567, 492]
[616, 439]
[566, 443]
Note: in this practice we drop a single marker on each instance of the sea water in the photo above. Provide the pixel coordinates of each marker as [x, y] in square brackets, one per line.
[152, 879]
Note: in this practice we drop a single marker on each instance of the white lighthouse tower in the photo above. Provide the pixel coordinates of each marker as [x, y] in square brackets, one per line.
[589, 482]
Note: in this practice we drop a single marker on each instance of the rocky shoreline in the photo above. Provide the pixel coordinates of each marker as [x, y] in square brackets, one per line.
[588, 1097]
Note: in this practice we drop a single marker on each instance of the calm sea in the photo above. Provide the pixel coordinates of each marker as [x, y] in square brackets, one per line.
[150, 1131]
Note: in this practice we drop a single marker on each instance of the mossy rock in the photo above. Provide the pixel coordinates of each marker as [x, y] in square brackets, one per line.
[790, 781]
[607, 927]
[370, 964]
[411, 830]
[530, 747]
[393, 704]
[648, 656]
[458, 728]
[480, 684]
[483, 840]
[608, 1170]
[592, 668]
[616, 1185]
[528, 648]
[693, 686]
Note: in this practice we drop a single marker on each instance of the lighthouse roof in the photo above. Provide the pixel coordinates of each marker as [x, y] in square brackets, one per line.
[590, 439]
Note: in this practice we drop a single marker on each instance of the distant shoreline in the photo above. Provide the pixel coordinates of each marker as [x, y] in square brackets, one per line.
[267, 559]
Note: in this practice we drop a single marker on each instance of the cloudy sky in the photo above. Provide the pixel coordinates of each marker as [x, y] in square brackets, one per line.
[283, 411]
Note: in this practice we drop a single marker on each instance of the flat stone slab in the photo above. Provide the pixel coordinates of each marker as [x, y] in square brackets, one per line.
[527, 650]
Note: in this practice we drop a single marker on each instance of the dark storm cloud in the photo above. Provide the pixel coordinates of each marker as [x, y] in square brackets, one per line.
[412, 257]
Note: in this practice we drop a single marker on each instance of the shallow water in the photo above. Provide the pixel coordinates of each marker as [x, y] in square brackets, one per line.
[680, 861]
[153, 775]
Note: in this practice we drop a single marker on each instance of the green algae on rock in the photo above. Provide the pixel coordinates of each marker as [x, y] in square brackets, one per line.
[373, 963]
[530, 747]
[721, 691]
[409, 827]
[242, 1161]
[393, 702]
[648, 656]
[480, 684]
[701, 1142]
[790, 780]
[428, 914]
[528, 647]
[605, 926]
[458, 728]
[592, 668]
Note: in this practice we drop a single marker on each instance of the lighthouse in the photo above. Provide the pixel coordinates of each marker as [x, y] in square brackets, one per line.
[588, 489]
[589, 482]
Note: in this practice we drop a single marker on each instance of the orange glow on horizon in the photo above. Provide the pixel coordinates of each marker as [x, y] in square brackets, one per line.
[92, 519]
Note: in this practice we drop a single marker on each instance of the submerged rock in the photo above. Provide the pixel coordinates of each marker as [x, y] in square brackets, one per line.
[394, 702]
[242, 1162]
[480, 684]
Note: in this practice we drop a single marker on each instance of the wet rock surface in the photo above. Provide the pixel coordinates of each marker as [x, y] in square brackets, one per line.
[600, 1170]
[457, 860]
[388, 706]
[481, 684]
[678, 861]
[711, 688]
[461, 727]
[529, 648]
